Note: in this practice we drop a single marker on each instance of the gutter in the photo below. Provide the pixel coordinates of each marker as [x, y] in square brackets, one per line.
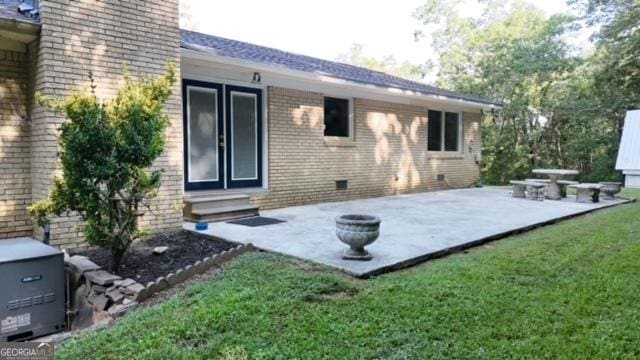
[205, 54]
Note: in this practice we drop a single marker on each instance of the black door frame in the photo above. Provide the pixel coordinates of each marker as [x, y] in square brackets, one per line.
[228, 134]
[203, 185]
[223, 96]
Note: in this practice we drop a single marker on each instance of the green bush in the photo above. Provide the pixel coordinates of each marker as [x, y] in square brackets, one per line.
[106, 149]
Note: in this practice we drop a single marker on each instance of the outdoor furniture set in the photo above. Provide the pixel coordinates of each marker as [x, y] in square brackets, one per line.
[555, 188]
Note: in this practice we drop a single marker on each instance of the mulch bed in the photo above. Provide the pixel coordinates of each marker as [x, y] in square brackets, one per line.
[142, 265]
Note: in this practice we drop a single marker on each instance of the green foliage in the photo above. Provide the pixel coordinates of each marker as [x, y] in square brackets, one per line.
[566, 291]
[106, 149]
[560, 109]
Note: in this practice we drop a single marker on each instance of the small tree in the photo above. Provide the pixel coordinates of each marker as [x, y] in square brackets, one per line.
[106, 149]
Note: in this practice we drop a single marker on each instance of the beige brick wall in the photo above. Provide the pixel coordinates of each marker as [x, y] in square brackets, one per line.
[15, 187]
[101, 36]
[389, 155]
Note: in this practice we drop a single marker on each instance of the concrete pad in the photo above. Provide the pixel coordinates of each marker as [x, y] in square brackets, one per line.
[414, 228]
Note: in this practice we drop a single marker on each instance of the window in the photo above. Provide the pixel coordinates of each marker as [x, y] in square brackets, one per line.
[434, 138]
[336, 117]
[443, 132]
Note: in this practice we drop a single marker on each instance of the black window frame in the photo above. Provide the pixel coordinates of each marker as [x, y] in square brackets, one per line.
[442, 139]
[330, 131]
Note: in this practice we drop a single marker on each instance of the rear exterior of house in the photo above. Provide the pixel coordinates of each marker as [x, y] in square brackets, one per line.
[252, 127]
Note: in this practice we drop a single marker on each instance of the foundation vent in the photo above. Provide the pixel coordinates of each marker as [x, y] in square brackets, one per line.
[342, 184]
[440, 177]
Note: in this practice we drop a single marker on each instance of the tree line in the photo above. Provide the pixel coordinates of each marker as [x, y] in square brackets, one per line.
[564, 105]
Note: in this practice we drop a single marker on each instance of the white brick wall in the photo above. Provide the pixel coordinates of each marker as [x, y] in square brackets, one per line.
[15, 187]
[102, 36]
[390, 142]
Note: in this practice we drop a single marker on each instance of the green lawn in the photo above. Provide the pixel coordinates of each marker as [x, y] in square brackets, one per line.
[571, 290]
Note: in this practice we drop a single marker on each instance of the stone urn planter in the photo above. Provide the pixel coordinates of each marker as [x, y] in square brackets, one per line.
[357, 231]
[610, 189]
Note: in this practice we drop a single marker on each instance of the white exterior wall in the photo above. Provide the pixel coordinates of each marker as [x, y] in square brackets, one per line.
[629, 151]
[632, 178]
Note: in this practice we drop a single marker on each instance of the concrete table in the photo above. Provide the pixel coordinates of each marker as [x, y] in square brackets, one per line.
[553, 190]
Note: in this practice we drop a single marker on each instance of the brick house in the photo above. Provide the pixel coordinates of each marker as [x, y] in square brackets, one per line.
[253, 127]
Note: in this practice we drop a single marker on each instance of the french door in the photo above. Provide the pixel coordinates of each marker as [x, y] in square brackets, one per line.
[223, 136]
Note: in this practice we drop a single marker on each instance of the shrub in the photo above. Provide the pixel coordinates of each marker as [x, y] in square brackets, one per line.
[106, 149]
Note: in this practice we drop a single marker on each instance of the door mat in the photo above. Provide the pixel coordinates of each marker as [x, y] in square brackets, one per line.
[256, 221]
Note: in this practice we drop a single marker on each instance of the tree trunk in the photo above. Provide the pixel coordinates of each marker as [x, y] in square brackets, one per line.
[116, 261]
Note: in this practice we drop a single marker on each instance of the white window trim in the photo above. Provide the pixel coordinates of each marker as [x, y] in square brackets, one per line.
[445, 153]
[216, 121]
[255, 112]
[340, 140]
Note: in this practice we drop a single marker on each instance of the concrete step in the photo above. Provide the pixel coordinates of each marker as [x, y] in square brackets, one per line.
[210, 201]
[222, 213]
[213, 196]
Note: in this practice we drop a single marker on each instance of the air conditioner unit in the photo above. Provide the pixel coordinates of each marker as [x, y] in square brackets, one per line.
[32, 295]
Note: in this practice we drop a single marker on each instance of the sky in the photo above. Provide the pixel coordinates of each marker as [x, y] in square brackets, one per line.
[326, 28]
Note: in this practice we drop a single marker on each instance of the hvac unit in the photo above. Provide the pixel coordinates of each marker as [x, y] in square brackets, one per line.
[32, 290]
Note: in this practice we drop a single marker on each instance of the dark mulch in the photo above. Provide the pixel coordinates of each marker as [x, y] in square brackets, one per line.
[140, 264]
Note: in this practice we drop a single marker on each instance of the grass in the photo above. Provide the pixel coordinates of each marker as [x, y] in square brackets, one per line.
[565, 291]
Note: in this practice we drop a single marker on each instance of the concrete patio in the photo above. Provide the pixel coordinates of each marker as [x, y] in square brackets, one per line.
[414, 228]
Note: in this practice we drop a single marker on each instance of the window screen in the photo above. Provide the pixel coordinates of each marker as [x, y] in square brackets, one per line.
[443, 131]
[451, 130]
[434, 140]
[336, 117]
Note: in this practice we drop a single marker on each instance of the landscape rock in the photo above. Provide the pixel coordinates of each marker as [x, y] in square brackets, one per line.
[132, 289]
[101, 277]
[81, 264]
[159, 250]
[124, 283]
[115, 295]
[99, 301]
[121, 309]
[81, 309]
[98, 289]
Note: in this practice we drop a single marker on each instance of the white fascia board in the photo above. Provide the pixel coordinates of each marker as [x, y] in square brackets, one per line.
[285, 77]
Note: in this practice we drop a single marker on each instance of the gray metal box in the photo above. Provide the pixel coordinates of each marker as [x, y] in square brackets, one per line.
[32, 295]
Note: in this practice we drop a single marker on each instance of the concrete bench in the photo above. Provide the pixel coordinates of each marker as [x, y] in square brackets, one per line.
[587, 192]
[563, 186]
[528, 189]
[546, 181]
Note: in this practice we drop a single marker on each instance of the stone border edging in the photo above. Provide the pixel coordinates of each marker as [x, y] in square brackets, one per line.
[153, 287]
[165, 282]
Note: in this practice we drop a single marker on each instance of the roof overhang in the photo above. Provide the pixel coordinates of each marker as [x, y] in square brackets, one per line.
[16, 34]
[206, 54]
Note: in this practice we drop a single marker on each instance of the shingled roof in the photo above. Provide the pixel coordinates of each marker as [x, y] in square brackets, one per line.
[274, 57]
